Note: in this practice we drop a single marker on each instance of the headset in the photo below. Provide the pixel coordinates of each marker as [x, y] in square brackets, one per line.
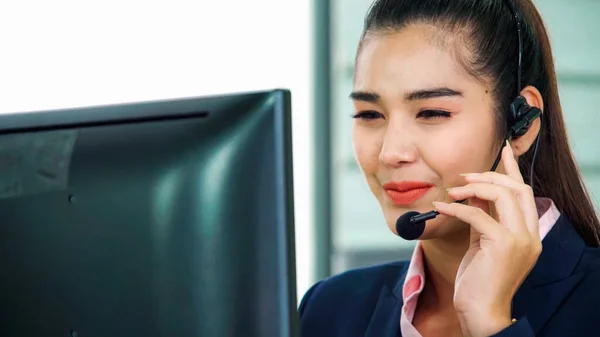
[520, 116]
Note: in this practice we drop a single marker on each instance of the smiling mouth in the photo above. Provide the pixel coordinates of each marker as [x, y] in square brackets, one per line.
[408, 197]
[406, 193]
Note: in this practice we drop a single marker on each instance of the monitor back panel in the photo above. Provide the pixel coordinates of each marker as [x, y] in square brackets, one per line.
[163, 228]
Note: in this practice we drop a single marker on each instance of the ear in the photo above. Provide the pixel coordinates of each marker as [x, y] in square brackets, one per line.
[522, 144]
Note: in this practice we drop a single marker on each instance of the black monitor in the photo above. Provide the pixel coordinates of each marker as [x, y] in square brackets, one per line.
[165, 218]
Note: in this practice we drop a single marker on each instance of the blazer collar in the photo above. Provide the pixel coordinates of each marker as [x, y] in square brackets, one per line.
[546, 286]
[553, 276]
[385, 321]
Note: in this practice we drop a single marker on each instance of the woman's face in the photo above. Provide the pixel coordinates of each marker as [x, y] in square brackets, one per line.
[420, 121]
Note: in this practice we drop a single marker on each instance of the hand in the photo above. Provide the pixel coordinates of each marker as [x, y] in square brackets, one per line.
[504, 246]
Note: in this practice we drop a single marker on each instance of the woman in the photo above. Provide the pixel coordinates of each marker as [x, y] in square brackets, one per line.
[433, 86]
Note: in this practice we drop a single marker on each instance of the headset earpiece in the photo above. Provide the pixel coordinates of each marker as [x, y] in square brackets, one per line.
[515, 107]
[521, 115]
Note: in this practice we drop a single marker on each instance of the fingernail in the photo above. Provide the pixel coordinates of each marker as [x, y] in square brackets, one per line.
[509, 147]
[468, 174]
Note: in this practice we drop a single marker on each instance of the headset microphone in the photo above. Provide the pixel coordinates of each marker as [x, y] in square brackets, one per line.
[411, 225]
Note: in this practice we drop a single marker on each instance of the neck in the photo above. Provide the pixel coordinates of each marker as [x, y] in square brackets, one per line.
[442, 258]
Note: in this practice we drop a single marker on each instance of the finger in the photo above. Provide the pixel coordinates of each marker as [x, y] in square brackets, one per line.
[484, 205]
[476, 217]
[507, 208]
[510, 163]
[523, 193]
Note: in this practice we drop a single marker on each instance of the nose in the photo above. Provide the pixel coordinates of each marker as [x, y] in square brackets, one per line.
[398, 149]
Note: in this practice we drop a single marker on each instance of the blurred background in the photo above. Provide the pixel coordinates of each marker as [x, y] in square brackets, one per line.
[75, 53]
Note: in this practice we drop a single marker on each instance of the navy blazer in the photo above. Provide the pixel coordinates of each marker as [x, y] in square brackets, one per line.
[559, 298]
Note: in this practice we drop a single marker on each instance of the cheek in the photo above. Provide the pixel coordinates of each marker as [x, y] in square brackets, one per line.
[367, 147]
[460, 150]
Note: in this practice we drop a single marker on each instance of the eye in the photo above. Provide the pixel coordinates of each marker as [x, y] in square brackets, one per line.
[367, 115]
[431, 114]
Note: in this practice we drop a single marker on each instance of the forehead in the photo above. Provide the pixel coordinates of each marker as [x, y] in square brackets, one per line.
[415, 57]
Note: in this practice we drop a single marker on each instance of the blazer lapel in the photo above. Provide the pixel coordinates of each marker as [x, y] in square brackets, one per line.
[385, 321]
[553, 276]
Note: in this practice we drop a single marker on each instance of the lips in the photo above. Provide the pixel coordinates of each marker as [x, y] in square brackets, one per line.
[406, 192]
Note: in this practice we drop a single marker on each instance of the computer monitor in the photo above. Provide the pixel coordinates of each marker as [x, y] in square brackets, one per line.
[164, 218]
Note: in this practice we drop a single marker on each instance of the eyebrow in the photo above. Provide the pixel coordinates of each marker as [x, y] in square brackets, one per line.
[364, 96]
[415, 95]
[418, 95]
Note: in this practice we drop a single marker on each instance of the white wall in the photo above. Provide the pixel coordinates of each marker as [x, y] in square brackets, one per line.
[56, 54]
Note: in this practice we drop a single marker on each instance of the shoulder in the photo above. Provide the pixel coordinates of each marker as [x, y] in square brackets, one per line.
[353, 284]
[579, 312]
[350, 294]
[588, 290]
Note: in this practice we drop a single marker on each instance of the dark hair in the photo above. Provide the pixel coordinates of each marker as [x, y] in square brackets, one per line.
[489, 31]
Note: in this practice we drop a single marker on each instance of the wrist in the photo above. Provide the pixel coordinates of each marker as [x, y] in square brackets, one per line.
[484, 324]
